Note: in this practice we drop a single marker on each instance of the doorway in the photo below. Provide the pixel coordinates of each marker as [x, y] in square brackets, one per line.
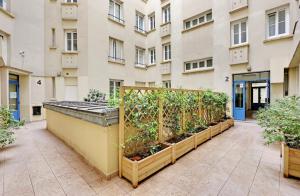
[14, 96]
[251, 91]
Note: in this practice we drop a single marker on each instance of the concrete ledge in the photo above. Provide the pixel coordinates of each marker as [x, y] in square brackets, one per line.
[97, 113]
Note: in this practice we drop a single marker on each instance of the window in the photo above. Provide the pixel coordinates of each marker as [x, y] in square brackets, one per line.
[166, 84]
[71, 41]
[36, 110]
[140, 57]
[239, 32]
[3, 4]
[140, 22]
[152, 56]
[116, 11]
[286, 82]
[166, 14]
[140, 84]
[278, 22]
[71, 1]
[114, 88]
[198, 64]
[115, 50]
[151, 84]
[167, 52]
[198, 20]
[53, 40]
[151, 20]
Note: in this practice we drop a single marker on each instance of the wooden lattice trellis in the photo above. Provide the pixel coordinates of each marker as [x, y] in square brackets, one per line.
[155, 107]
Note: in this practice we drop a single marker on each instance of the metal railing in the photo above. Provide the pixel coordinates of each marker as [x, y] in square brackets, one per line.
[113, 17]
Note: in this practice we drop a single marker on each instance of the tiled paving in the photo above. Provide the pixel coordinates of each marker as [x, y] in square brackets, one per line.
[234, 163]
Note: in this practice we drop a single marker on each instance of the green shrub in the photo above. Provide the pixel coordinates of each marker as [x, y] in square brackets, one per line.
[281, 122]
[95, 96]
[7, 124]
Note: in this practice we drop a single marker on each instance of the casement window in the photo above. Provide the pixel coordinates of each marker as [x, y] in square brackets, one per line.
[198, 64]
[71, 41]
[71, 1]
[140, 22]
[115, 49]
[3, 4]
[116, 10]
[278, 22]
[114, 88]
[198, 20]
[151, 21]
[167, 52]
[166, 84]
[140, 57]
[166, 14]
[239, 32]
[152, 56]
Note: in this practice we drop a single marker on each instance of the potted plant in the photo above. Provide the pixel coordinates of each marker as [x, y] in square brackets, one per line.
[198, 127]
[281, 123]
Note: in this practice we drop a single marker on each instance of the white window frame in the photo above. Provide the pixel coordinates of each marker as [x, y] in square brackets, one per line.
[140, 57]
[151, 22]
[116, 14]
[152, 56]
[190, 23]
[4, 4]
[73, 41]
[71, 1]
[167, 52]
[166, 14]
[4, 48]
[287, 22]
[140, 22]
[239, 23]
[116, 49]
[115, 87]
[198, 68]
[167, 84]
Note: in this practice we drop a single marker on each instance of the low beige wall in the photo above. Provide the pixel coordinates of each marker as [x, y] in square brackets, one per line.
[97, 144]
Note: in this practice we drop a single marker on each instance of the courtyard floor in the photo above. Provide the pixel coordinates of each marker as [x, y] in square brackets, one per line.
[234, 163]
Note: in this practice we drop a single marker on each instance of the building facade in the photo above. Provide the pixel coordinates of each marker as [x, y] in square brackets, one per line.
[246, 48]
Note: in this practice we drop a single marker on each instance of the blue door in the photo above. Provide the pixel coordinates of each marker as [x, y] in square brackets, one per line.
[14, 98]
[239, 100]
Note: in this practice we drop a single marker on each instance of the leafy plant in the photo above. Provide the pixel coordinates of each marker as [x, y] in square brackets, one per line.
[7, 124]
[94, 96]
[114, 101]
[195, 124]
[281, 121]
[142, 110]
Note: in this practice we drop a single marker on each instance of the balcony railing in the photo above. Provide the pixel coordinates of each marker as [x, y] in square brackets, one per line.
[116, 60]
[117, 19]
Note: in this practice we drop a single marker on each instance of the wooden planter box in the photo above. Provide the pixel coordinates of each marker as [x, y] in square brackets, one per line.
[215, 130]
[136, 171]
[202, 137]
[291, 161]
[225, 125]
[181, 148]
[231, 122]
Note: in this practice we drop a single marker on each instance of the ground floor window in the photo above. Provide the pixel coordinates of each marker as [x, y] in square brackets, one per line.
[167, 84]
[286, 83]
[114, 88]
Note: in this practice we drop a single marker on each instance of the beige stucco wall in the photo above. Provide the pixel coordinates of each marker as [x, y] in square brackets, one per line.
[97, 144]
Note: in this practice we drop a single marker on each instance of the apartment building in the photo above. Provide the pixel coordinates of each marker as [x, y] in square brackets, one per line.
[22, 58]
[248, 49]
